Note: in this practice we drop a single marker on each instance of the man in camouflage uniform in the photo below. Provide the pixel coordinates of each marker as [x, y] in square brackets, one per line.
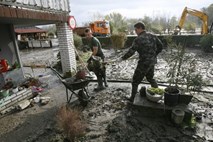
[148, 46]
[100, 71]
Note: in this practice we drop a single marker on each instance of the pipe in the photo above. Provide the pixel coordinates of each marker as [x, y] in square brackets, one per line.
[159, 83]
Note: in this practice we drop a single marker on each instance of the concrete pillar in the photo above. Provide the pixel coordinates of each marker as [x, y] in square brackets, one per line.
[66, 47]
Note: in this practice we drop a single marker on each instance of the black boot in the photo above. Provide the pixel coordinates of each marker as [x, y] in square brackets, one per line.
[104, 78]
[100, 84]
[134, 92]
[105, 83]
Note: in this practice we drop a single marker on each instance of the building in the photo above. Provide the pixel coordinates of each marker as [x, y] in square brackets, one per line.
[21, 13]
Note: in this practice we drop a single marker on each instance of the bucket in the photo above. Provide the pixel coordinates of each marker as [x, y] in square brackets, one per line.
[171, 99]
[143, 91]
[4, 65]
[177, 115]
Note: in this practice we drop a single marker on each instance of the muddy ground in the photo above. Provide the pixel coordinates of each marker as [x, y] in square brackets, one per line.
[109, 116]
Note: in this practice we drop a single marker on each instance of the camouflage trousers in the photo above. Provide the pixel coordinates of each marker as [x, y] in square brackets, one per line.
[144, 70]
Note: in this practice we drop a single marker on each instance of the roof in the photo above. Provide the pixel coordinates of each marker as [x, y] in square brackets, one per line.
[29, 30]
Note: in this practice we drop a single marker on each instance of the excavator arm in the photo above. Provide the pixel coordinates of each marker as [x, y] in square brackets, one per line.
[201, 15]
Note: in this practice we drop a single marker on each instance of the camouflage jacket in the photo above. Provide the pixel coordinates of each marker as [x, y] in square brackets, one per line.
[148, 47]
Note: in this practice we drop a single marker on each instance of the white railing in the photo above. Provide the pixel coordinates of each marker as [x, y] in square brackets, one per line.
[44, 5]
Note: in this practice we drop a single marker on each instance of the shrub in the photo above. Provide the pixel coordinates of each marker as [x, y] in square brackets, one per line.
[118, 40]
[206, 43]
[77, 41]
[71, 123]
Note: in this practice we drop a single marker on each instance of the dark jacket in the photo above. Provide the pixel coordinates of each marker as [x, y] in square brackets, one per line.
[148, 47]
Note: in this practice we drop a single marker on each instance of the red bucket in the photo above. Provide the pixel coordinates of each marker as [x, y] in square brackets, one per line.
[4, 65]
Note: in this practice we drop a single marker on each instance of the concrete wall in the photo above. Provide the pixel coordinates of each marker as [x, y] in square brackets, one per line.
[7, 50]
[187, 40]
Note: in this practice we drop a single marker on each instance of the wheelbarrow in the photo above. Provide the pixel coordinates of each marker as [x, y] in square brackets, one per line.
[72, 84]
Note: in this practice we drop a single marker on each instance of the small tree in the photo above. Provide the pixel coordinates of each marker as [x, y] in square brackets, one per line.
[182, 68]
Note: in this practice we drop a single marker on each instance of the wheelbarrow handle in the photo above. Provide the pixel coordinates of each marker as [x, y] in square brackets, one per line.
[57, 73]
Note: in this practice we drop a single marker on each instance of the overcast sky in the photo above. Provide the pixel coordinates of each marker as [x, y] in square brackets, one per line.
[83, 10]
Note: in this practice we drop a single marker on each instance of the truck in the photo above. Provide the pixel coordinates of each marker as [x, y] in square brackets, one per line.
[201, 15]
[99, 28]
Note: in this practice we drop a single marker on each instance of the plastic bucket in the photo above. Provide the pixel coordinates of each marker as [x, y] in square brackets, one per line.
[4, 65]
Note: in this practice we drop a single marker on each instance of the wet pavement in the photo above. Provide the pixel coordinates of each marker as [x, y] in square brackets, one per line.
[109, 115]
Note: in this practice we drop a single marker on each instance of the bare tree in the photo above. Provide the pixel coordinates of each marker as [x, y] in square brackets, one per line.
[97, 16]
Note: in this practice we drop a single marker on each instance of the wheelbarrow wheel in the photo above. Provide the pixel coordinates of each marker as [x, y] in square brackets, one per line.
[83, 103]
[83, 97]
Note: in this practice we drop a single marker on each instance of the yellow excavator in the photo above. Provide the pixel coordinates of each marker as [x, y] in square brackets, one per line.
[196, 13]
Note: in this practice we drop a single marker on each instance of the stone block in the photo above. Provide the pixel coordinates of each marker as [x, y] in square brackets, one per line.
[152, 109]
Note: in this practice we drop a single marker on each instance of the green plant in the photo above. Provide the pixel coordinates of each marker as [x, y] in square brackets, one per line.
[206, 43]
[84, 56]
[77, 41]
[175, 61]
[182, 68]
[71, 122]
[153, 91]
[118, 40]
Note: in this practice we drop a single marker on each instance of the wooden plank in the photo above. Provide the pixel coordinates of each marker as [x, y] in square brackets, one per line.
[33, 15]
[19, 13]
[1, 12]
[55, 17]
[13, 12]
[42, 16]
[26, 14]
[7, 12]
[47, 5]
